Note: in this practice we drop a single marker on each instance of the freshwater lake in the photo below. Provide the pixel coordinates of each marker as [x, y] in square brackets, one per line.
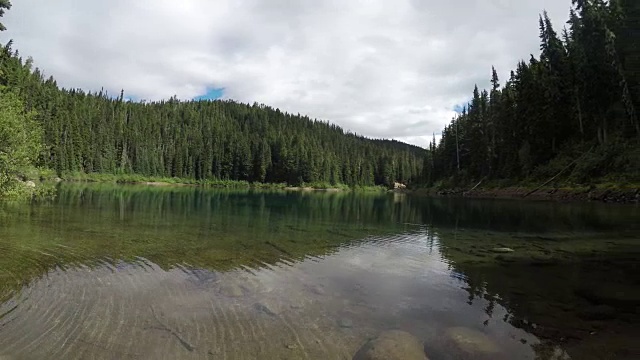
[134, 272]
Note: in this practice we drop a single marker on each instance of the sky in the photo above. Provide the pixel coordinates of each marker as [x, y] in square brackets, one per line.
[394, 69]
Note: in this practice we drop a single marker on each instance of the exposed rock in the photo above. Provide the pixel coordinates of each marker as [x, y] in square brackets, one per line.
[399, 186]
[502, 250]
[57, 180]
[392, 345]
[30, 184]
[471, 341]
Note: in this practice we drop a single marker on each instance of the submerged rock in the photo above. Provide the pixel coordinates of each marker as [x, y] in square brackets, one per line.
[345, 323]
[502, 250]
[267, 308]
[318, 290]
[471, 341]
[231, 290]
[392, 345]
[598, 312]
[548, 352]
[202, 278]
[559, 354]
[252, 286]
[612, 294]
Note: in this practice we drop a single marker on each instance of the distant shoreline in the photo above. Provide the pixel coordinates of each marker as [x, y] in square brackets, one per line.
[210, 183]
[604, 193]
[618, 194]
[300, 188]
[252, 186]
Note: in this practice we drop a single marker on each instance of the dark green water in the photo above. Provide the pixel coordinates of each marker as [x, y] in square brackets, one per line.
[107, 272]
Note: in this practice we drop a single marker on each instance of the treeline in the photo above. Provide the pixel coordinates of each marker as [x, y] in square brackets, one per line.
[226, 140]
[573, 108]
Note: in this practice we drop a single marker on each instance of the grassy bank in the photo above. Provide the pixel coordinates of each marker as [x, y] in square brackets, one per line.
[207, 183]
[163, 181]
[338, 187]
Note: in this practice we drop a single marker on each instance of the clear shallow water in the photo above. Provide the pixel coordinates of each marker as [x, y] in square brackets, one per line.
[107, 272]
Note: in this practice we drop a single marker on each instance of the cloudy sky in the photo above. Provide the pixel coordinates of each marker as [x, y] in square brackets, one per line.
[380, 68]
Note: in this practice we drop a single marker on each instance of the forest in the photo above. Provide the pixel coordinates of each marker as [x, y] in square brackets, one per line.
[90, 132]
[96, 132]
[571, 110]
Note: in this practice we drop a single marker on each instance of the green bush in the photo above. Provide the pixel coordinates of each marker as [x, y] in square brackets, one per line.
[20, 144]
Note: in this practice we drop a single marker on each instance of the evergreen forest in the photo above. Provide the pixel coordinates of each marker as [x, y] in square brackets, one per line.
[86, 132]
[574, 108]
[571, 109]
[226, 140]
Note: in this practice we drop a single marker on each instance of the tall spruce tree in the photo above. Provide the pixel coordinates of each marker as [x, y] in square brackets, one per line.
[4, 5]
[581, 93]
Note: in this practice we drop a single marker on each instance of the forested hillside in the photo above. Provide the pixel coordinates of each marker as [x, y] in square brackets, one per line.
[572, 110]
[98, 133]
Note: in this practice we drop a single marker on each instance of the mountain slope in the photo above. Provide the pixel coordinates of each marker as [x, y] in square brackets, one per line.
[93, 132]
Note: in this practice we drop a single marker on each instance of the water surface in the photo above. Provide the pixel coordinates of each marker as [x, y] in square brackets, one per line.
[126, 272]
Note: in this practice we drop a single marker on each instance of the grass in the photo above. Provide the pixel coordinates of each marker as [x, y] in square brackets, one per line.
[343, 187]
[376, 188]
[137, 179]
[321, 185]
[207, 183]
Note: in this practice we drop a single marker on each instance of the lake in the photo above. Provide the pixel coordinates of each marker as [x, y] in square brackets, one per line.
[134, 272]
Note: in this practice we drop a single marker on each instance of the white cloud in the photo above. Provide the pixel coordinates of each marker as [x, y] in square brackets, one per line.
[392, 69]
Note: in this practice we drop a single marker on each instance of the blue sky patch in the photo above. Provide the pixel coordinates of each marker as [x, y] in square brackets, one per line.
[458, 108]
[211, 94]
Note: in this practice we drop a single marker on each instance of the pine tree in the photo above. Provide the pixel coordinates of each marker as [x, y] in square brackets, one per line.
[4, 5]
[582, 90]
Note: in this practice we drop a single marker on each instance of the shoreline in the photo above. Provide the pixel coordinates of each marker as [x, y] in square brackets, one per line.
[612, 195]
[311, 189]
[615, 193]
[216, 184]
